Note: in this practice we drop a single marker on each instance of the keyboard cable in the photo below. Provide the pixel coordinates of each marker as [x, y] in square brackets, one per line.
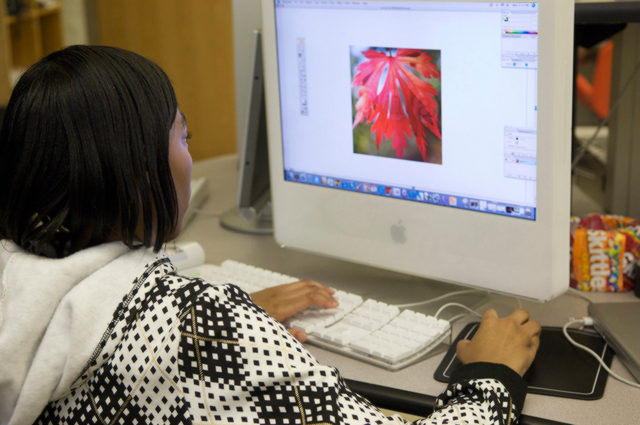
[439, 298]
[441, 309]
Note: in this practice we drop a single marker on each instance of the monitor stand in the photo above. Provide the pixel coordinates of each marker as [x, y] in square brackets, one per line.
[255, 219]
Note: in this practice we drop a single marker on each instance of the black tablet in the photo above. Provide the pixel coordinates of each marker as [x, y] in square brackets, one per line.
[559, 369]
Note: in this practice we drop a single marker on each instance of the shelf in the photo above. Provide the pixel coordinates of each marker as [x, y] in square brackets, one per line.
[34, 33]
[33, 14]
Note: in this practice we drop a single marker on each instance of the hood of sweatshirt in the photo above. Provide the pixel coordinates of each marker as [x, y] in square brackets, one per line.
[53, 313]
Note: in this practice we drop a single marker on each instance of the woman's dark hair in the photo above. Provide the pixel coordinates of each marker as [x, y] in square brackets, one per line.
[84, 153]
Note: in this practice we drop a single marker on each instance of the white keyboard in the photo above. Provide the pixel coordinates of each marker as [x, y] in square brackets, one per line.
[368, 330]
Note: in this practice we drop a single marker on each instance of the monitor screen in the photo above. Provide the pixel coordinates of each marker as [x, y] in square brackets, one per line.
[427, 137]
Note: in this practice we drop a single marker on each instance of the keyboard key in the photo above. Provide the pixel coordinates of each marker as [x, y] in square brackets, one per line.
[340, 333]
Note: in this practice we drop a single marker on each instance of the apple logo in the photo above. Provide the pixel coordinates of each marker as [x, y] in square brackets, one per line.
[398, 232]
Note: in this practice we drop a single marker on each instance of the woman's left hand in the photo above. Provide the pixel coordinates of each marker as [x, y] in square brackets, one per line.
[283, 301]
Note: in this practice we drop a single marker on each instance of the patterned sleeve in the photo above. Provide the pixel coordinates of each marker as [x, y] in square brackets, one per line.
[490, 393]
[238, 365]
[181, 351]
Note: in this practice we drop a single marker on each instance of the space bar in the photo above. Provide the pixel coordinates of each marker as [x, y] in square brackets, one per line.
[415, 403]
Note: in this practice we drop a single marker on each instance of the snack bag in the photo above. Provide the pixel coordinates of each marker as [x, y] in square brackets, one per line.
[604, 251]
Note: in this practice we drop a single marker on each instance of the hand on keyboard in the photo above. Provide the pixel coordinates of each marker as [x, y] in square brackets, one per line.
[283, 301]
[368, 330]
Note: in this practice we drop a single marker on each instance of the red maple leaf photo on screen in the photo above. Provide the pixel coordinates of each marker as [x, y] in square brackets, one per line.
[396, 103]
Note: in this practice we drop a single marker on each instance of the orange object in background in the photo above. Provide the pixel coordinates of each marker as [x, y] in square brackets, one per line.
[604, 251]
[598, 260]
[596, 95]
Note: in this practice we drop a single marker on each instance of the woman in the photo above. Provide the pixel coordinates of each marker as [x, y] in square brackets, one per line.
[97, 327]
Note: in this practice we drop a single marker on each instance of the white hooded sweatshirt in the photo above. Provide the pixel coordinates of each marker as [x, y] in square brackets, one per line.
[184, 351]
[53, 313]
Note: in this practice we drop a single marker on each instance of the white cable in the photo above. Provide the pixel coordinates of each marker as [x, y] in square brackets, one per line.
[455, 318]
[588, 321]
[441, 297]
[456, 305]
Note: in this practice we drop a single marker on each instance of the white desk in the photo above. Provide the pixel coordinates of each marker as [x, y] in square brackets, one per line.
[619, 405]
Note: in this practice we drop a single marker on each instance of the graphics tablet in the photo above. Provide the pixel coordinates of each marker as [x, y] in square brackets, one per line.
[559, 369]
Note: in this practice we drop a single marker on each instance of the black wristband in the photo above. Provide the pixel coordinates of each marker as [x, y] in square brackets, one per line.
[513, 382]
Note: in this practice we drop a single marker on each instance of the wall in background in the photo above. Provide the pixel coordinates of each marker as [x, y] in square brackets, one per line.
[5, 60]
[30, 30]
[74, 22]
[192, 40]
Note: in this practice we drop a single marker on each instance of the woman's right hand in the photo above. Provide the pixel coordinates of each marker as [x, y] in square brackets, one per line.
[512, 341]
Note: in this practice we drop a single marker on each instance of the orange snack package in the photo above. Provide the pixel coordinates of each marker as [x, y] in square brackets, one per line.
[604, 250]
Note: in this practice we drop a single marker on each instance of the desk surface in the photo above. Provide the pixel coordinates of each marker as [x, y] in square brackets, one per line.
[619, 404]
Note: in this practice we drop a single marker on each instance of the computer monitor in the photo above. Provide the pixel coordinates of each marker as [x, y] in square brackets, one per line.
[426, 137]
[252, 212]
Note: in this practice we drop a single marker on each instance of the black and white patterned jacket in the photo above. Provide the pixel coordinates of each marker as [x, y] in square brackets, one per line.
[181, 351]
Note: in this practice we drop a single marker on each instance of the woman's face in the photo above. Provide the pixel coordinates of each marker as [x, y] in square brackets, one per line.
[180, 163]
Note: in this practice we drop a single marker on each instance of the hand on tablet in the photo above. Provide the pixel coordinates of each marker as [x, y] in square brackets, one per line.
[512, 341]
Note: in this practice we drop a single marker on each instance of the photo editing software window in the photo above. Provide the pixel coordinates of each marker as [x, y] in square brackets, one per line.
[430, 102]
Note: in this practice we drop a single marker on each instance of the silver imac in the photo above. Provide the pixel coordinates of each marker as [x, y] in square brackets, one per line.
[427, 137]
